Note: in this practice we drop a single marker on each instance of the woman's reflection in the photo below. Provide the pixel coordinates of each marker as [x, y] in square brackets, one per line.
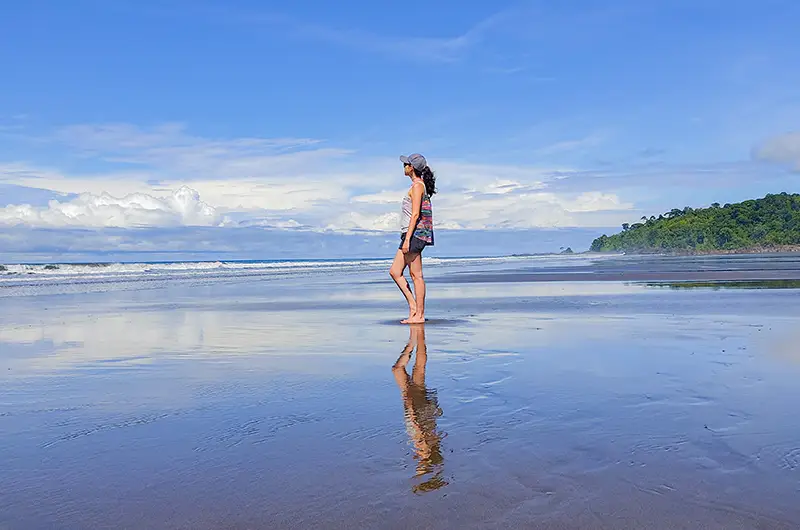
[421, 410]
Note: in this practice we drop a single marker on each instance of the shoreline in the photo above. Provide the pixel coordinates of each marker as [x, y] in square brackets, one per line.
[782, 249]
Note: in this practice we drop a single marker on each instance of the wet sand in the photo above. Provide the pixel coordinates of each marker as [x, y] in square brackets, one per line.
[533, 398]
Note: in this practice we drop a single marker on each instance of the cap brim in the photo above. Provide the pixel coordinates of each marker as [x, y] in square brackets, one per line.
[404, 159]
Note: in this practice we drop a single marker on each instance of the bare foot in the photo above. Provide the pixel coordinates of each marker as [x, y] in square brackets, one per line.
[412, 313]
[416, 319]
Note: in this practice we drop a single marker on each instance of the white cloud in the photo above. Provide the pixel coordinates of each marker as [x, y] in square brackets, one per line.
[784, 149]
[228, 195]
[118, 183]
[387, 222]
[596, 201]
[273, 223]
[178, 156]
[253, 195]
[282, 183]
[382, 197]
[233, 174]
[22, 244]
[487, 177]
[508, 205]
[531, 209]
[182, 208]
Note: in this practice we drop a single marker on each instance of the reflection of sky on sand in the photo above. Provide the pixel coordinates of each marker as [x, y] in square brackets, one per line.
[73, 340]
[284, 321]
[471, 291]
[384, 291]
[240, 320]
[526, 289]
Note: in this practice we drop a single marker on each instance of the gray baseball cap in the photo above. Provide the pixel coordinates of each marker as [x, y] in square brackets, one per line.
[417, 161]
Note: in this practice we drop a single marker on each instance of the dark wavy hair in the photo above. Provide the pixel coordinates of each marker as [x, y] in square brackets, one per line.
[429, 179]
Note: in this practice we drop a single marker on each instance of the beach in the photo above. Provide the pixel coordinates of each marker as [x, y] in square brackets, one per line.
[563, 392]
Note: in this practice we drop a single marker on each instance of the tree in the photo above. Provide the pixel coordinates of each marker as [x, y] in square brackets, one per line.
[675, 212]
[761, 223]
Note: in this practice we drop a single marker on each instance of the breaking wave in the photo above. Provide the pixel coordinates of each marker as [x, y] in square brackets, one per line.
[51, 273]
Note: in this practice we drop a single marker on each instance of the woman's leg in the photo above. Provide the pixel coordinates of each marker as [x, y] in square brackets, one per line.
[415, 268]
[396, 272]
[405, 356]
[418, 372]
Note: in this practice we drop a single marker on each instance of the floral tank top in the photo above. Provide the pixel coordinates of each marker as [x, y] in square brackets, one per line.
[424, 228]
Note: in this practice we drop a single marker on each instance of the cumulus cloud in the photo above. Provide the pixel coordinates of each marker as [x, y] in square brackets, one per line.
[182, 208]
[492, 203]
[596, 201]
[234, 174]
[292, 183]
[527, 209]
[387, 222]
[27, 244]
[783, 149]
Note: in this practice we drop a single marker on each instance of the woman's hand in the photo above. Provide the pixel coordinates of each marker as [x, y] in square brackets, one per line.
[406, 246]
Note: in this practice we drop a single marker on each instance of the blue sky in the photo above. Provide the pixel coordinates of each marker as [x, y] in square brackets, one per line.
[231, 118]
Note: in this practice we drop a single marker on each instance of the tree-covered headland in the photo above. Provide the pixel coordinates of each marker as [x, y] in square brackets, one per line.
[769, 223]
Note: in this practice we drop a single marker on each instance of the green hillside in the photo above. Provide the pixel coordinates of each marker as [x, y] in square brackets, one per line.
[760, 224]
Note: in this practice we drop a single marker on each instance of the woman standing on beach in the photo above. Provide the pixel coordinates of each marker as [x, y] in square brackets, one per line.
[416, 232]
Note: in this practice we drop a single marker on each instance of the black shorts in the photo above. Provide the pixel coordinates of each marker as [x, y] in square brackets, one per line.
[416, 244]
